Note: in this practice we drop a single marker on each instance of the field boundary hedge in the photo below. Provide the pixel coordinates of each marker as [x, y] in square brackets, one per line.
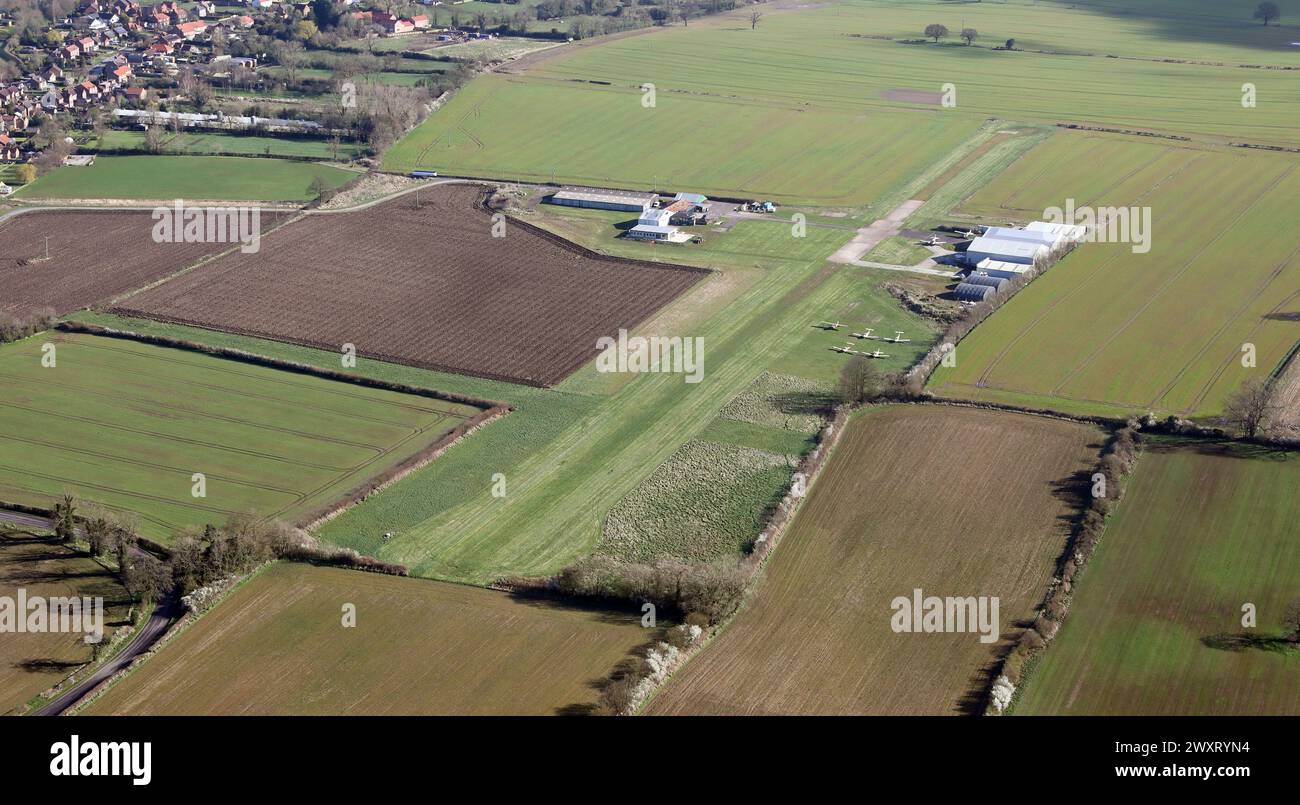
[73, 326]
[1118, 459]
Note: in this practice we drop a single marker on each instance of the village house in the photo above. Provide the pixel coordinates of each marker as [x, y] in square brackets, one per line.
[9, 149]
[189, 30]
[133, 94]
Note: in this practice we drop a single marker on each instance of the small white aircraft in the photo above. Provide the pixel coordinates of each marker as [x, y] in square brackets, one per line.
[898, 338]
[874, 354]
[829, 325]
[847, 349]
[866, 334]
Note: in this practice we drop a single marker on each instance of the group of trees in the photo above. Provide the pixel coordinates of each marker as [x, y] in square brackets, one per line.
[714, 592]
[937, 31]
[199, 556]
[14, 327]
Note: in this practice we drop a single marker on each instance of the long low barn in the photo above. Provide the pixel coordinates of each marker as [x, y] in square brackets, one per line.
[970, 292]
[620, 200]
[1021, 246]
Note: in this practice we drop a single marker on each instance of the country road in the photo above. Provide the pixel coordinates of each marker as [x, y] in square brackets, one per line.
[167, 611]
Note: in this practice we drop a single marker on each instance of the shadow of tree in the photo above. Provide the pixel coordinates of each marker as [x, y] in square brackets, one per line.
[804, 403]
[44, 665]
[1244, 642]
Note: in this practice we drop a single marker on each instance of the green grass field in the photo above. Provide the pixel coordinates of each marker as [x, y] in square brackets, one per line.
[1111, 332]
[188, 177]
[542, 129]
[1156, 625]
[704, 504]
[403, 79]
[766, 243]
[898, 250]
[215, 143]
[819, 105]
[127, 425]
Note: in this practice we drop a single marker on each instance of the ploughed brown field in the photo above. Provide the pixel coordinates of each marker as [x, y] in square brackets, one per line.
[953, 501]
[427, 286]
[94, 257]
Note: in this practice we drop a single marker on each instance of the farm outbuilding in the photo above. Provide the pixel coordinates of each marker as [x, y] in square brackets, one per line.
[970, 292]
[1006, 250]
[998, 268]
[620, 200]
[995, 283]
[1022, 246]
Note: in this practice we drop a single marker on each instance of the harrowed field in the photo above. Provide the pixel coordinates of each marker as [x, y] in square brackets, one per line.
[887, 516]
[279, 646]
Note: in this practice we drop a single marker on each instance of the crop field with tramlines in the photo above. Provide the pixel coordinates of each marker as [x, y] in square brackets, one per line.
[277, 646]
[1114, 332]
[833, 105]
[887, 516]
[128, 425]
[1157, 625]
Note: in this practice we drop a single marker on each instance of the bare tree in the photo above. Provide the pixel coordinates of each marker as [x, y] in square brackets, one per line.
[1251, 407]
[936, 31]
[754, 17]
[65, 517]
[969, 35]
[145, 577]
[859, 380]
[154, 139]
